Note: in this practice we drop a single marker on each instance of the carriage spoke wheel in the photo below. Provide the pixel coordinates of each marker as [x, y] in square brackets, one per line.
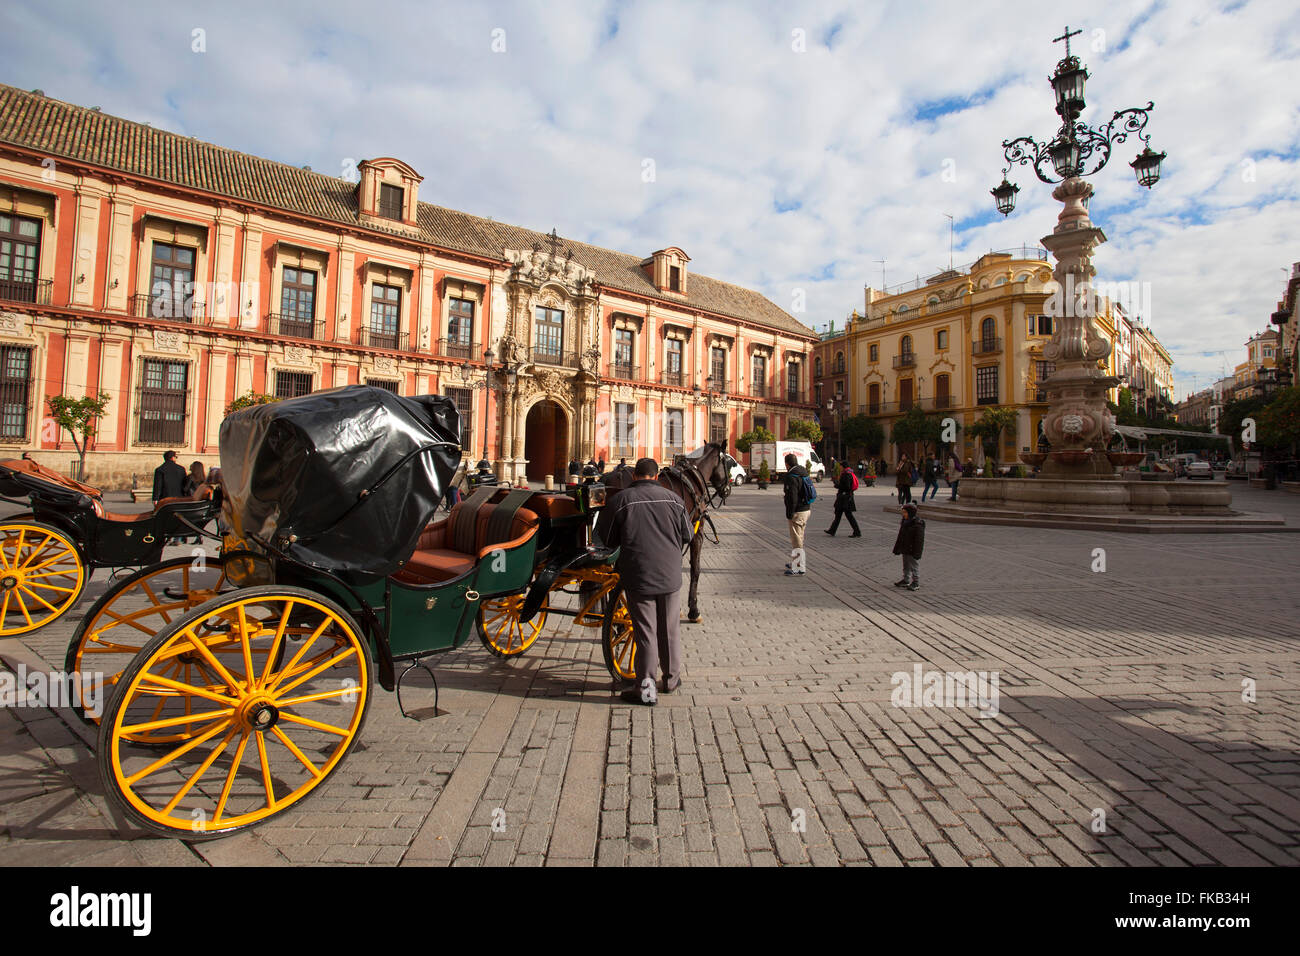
[616, 637]
[261, 729]
[500, 629]
[41, 576]
[128, 614]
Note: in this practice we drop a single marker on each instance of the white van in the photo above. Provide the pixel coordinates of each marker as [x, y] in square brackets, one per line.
[774, 454]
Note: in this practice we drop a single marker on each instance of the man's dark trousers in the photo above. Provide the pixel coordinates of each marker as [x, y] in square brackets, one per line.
[655, 619]
[841, 513]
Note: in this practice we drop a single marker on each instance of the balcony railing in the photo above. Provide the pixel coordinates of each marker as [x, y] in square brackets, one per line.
[37, 291]
[294, 327]
[986, 346]
[758, 389]
[906, 360]
[677, 378]
[941, 402]
[624, 371]
[987, 400]
[794, 395]
[551, 357]
[459, 348]
[167, 309]
[382, 339]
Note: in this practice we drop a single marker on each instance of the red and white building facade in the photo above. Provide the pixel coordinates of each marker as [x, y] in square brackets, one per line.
[176, 276]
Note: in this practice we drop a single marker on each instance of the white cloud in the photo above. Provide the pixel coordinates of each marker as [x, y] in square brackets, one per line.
[553, 131]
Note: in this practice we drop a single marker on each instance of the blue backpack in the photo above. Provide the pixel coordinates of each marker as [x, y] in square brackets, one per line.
[809, 489]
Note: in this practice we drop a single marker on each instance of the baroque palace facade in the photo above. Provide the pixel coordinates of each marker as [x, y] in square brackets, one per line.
[953, 344]
[175, 276]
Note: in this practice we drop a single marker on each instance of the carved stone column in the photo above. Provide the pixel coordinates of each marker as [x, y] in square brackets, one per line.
[1078, 424]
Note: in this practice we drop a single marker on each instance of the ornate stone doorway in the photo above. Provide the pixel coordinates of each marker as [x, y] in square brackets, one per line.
[546, 441]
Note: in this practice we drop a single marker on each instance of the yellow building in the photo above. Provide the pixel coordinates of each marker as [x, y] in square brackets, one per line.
[958, 342]
[1261, 353]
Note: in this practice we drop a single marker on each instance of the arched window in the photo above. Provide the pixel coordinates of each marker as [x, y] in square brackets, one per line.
[988, 336]
[905, 346]
[1023, 277]
[1001, 280]
[933, 300]
[839, 362]
[942, 394]
[818, 366]
[902, 308]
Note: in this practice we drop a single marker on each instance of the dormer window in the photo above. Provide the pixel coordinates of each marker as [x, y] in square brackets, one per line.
[667, 270]
[675, 278]
[390, 201]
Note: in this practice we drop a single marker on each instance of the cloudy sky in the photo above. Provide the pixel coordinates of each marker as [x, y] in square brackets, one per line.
[785, 146]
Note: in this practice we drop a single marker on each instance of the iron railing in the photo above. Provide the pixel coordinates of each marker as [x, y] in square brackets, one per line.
[278, 323]
[906, 360]
[625, 371]
[459, 348]
[551, 357]
[382, 339]
[37, 291]
[167, 308]
[677, 378]
[986, 346]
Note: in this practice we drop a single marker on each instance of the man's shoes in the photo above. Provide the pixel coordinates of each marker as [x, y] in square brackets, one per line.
[792, 571]
[914, 586]
[831, 533]
[856, 534]
[672, 688]
[645, 694]
[900, 584]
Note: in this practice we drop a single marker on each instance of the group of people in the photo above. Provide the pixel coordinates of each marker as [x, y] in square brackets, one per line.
[171, 480]
[931, 471]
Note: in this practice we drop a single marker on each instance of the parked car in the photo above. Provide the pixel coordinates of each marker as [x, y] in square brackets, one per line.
[735, 469]
[1200, 469]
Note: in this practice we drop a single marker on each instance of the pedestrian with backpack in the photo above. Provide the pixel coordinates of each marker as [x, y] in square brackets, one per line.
[910, 543]
[799, 496]
[844, 506]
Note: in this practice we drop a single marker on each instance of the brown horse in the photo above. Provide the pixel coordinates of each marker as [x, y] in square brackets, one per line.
[701, 480]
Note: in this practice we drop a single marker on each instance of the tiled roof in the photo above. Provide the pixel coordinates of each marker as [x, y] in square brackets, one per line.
[61, 129]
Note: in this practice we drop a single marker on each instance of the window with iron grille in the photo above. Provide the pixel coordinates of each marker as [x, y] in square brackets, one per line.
[817, 367]
[15, 391]
[623, 352]
[385, 314]
[988, 336]
[460, 321]
[292, 384]
[463, 397]
[673, 361]
[19, 254]
[171, 286]
[718, 428]
[718, 368]
[759, 373]
[986, 385]
[941, 339]
[298, 295]
[390, 201]
[385, 384]
[548, 332]
[674, 432]
[1042, 369]
[873, 353]
[624, 428]
[163, 394]
[792, 382]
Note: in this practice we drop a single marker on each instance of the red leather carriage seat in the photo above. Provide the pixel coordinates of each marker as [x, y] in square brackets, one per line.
[553, 505]
[34, 470]
[434, 558]
[144, 515]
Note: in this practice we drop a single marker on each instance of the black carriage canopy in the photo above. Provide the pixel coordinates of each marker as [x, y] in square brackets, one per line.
[353, 473]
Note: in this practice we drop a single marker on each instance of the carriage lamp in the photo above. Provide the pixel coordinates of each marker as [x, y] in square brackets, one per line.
[1077, 149]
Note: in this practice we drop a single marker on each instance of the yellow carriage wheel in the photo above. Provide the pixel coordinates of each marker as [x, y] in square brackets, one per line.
[500, 629]
[616, 637]
[42, 575]
[263, 728]
[127, 615]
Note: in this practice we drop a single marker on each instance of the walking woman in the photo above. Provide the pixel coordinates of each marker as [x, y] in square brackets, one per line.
[903, 483]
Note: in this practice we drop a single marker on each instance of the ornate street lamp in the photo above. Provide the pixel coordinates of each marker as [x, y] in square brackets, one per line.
[487, 385]
[1078, 424]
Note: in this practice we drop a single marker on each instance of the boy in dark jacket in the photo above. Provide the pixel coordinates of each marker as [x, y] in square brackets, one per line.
[910, 543]
[844, 506]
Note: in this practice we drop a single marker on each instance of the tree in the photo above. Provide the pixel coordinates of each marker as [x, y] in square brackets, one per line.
[862, 432]
[78, 416]
[1234, 412]
[916, 426]
[758, 436]
[249, 399]
[799, 429]
[989, 429]
[1278, 425]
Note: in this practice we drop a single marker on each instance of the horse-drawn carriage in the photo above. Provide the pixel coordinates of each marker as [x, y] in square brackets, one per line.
[48, 554]
[240, 683]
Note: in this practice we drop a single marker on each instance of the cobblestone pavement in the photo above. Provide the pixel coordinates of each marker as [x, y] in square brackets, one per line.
[1121, 736]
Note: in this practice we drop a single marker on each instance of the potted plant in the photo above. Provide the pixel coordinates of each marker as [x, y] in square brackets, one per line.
[764, 475]
[869, 477]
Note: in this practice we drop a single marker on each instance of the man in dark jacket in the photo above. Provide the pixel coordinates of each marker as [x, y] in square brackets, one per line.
[910, 543]
[168, 479]
[844, 506]
[649, 523]
[797, 509]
